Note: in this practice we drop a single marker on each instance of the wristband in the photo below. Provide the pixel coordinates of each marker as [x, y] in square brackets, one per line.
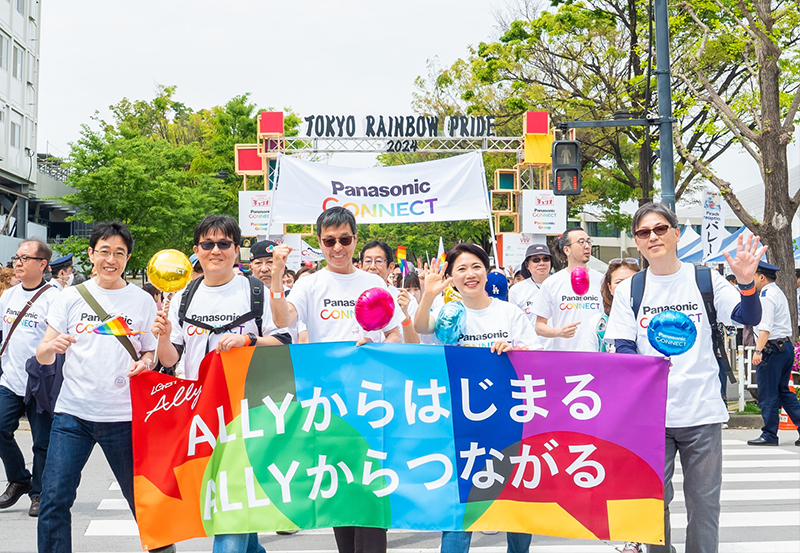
[749, 291]
[406, 322]
[747, 286]
[276, 295]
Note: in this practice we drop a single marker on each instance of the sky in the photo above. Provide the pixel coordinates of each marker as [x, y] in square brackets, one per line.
[314, 56]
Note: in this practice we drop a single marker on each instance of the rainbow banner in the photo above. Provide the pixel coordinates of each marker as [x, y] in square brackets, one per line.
[116, 327]
[402, 436]
[441, 255]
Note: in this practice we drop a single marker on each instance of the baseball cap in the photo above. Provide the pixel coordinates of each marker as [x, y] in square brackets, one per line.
[534, 249]
[497, 285]
[261, 249]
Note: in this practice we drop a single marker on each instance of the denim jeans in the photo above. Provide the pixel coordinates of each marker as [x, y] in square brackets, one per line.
[458, 542]
[237, 543]
[12, 407]
[71, 442]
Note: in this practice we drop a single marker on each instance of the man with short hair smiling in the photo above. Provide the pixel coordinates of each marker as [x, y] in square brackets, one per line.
[559, 310]
[20, 339]
[695, 410]
[341, 282]
[377, 258]
[94, 405]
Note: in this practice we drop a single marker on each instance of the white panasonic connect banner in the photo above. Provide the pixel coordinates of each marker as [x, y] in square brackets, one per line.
[451, 189]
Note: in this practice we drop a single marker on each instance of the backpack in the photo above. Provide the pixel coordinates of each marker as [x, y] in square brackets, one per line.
[256, 307]
[702, 276]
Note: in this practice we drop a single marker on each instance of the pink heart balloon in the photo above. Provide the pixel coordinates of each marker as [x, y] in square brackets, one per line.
[579, 278]
[374, 309]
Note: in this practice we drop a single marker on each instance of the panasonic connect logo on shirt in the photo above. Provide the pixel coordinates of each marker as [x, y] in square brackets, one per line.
[692, 310]
[568, 303]
[330, 311]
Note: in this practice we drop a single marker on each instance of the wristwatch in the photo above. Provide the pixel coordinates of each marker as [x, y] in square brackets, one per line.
[758, 351]
[252, 337]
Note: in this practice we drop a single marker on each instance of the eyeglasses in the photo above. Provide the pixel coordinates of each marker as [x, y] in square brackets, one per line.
[223, 245]
[377, 261]
[343, 240]
[583, 242]
[538, 260]
[108, 253]
[644, 233]
[25, 258]
[626, 260]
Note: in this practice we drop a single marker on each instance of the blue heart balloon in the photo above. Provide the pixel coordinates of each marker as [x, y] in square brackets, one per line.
[671, 333]
[451, 322]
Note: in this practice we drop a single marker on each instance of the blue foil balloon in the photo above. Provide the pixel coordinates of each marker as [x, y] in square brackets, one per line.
[451, 322]
[671, 333]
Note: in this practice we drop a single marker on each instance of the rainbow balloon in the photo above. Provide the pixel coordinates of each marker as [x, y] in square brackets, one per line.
[116, 327]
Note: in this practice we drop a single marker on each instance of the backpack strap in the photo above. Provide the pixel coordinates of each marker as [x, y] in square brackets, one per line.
[100, 312]
[186, 299]
[702, 275]
[637, 291]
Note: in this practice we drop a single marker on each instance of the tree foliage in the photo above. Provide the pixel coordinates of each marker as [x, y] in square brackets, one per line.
[159, 167]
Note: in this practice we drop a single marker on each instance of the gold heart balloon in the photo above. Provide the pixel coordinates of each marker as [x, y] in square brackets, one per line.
[169, 270]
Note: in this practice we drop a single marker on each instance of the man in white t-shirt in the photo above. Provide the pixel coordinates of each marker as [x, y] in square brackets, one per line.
[535, 270]
[377, 258]
[325, 301]
[18, 346]
[559, 310]
[695, 409]
[221, 301]
[94, 404]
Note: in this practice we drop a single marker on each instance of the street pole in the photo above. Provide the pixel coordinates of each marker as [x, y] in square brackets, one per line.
[664, 104]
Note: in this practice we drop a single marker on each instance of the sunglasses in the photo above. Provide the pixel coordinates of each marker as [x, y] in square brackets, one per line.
[538, 260]
[626, 260]
[644, 233]
[223, 245]
[343, 240]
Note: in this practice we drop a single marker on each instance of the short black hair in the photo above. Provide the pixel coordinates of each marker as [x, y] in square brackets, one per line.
[731, 278]
[563, 240]
[42, 249]
[474, 249]
[411, 280]
[658, 209]
[225, 224]
[387, 251]
[335, 217]
[107, 229]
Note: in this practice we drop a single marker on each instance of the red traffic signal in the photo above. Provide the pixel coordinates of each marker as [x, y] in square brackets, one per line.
[566, 155]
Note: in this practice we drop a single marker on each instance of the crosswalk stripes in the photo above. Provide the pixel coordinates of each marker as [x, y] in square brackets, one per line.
[760, 513]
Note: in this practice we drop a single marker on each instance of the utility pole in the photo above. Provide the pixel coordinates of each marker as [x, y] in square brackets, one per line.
[664, 87]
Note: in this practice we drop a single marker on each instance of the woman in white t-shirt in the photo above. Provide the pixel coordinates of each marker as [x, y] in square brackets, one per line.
[490, 323]
[618, 270]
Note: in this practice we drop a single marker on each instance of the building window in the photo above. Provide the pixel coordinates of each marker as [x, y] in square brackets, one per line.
[18, 57]
[3, 52]
[15, 139]
[21, 6]
[600, 229]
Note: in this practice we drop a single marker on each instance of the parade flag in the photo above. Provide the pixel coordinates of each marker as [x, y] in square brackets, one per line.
[402, 436]
[441, 254]
[116, 327]
[401, 260]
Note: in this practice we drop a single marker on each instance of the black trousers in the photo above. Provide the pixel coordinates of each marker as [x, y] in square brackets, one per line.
[355, 539]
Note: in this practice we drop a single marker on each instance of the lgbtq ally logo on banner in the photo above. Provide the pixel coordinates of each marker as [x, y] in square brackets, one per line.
[402, 436]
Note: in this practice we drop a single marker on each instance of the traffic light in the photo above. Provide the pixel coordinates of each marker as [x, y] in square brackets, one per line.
[566, 156]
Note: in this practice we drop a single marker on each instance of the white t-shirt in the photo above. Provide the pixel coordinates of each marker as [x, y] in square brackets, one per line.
[268, 327]
[325, 301]
[558, 303]
[522, 295]
[96, 386]
[27, 335]
[775, 317]
[501, 321]
[693, 394]
[213, 305]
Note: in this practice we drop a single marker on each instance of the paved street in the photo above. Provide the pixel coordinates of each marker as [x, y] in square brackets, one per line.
[760, 512]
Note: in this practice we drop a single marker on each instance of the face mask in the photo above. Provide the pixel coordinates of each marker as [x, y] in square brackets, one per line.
[70, 279]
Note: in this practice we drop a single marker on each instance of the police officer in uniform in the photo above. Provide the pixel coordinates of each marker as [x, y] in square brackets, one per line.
[774, 356]
[62, 271]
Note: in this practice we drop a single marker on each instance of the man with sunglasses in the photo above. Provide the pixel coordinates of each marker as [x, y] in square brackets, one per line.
[325, 302]
[377, 258]
[560, 311]
[535, 270]
[20, 339]
[695, 410]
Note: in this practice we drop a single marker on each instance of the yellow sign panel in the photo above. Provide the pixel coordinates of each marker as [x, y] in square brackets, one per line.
[538, 148]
